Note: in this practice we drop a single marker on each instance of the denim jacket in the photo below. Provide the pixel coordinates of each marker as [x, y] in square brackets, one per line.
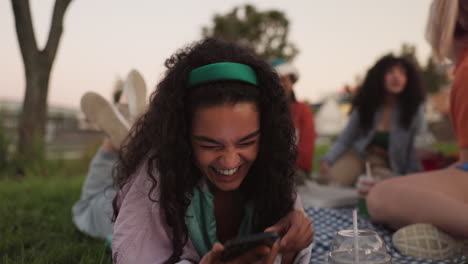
[401, 151]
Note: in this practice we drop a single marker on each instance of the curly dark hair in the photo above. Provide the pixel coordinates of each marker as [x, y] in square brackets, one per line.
[160, 139]
[372, 94]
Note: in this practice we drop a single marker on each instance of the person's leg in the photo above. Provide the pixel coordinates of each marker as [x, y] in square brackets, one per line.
[345, 171]
[92, 214]
[135, 91]
[439, 198]
[106, 116]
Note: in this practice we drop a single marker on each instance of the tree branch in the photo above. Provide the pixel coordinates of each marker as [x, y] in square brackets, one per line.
[24, 30]
[56, 29]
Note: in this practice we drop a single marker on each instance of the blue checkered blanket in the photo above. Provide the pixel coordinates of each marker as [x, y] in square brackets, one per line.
[329, 221]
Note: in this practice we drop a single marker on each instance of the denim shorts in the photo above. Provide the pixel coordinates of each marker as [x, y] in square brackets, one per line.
[463, 167]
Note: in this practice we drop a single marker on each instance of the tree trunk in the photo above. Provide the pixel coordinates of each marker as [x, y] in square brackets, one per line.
[37, 68]
[34, 114]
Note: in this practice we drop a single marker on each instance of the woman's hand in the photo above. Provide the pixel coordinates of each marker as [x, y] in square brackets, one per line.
[296, 231]
[364, 187]
[323, 172]
[324, 167]
[258, 255]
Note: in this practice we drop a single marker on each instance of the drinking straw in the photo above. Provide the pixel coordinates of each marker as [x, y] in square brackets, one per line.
[368, 170]
[356, 243]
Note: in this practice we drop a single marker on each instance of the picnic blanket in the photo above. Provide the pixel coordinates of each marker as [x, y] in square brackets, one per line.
[329, 221]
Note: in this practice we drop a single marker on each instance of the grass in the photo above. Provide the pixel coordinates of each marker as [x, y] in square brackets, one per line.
[319, 152]
[445, 148]
[36, 223]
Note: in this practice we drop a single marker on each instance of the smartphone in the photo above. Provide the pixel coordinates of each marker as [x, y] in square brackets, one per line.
[235, 247]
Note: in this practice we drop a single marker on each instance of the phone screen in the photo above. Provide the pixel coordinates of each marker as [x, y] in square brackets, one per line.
[235, 247]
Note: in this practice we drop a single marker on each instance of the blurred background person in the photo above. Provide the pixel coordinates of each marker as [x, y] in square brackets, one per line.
[408, 201]
[92, 213]
[302, 117]
[385, 118]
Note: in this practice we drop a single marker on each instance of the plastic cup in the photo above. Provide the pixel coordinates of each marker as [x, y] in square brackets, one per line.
[371, 249]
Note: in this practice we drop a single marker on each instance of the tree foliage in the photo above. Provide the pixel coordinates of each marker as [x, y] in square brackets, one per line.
[433, 75]
[408, 51]
[265, 32]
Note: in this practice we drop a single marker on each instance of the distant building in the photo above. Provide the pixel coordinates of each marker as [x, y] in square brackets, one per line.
[66, 129]
[330, 119]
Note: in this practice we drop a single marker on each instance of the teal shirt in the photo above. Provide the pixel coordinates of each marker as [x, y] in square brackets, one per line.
[381, 139]
[201, 221]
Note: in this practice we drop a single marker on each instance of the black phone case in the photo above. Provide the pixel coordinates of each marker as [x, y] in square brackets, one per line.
[238, 246]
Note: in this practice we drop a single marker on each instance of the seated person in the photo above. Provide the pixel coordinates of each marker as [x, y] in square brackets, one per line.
[438, 199]
[303, 120]
[385, 118]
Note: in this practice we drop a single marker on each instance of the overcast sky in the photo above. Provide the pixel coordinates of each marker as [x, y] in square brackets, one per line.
[105, 39]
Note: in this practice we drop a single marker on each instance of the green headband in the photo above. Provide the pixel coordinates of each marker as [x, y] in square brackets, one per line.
[222, 71]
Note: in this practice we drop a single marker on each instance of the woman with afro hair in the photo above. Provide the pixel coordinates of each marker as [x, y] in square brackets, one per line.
[385, 118]
[211, 159]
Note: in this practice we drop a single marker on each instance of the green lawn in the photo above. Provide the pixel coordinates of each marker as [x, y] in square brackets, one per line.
[445, 148]
[36, 224]
[319, 152]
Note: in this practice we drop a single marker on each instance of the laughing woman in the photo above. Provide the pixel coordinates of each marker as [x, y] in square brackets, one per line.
[210, 160]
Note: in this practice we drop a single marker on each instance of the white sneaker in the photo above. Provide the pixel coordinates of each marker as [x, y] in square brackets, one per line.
[426, 241]
[106, 116]
[135, 91]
